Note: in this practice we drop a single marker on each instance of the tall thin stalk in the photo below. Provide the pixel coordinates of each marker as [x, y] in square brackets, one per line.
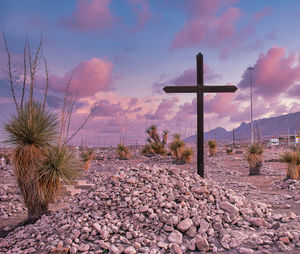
[33, 64]
[64, 109]
[25, 74]
[81, 126]
[47, 81]
[10, 74]
[69, 116]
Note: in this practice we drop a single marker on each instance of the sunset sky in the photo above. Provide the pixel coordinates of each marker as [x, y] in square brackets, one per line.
[122, 52]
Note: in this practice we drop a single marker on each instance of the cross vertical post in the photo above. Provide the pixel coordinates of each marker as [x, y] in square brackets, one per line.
[200, 117]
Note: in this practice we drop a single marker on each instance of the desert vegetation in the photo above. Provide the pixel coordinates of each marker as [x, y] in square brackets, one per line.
[229, 150]
[212, 147]
[155, 144]
[254, 156]
[41, 158]
[179, 151]
[123, 152]
[87, 156]
[293, 164]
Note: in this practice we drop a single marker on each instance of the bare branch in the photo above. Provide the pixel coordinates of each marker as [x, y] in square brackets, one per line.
[25, 74]
[83, 124]
[10, 74]
[47, 80]
[69, 116]
[64, 109]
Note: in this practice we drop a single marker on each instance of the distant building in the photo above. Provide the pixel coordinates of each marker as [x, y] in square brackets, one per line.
[274, 142]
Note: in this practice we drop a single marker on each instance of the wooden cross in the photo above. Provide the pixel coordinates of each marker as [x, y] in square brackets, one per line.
[200, 89]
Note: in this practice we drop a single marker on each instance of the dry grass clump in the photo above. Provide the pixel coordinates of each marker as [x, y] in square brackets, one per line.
[155, 144]
[254, 157]
[212, 146]
[179, 150]
[123, 152]
[293, 161]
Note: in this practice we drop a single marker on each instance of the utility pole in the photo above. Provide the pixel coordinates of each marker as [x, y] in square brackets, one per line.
[126, 131]
[233, 137]
[251, 69]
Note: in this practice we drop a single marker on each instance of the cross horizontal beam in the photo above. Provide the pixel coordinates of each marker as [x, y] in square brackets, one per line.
[195, 89]
[180, 89]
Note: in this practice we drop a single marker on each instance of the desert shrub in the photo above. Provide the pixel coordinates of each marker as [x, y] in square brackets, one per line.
[293, 167]
[123, 152]
[187, 154]
[229, 150]
[87, 154]
[212, 147]
[155, 145]
[254, 158]
[179, 151]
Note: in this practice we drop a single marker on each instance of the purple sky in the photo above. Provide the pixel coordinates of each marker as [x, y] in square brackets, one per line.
[122, 52]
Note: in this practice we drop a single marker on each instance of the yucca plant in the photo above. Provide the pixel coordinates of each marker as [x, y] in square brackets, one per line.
[212, 147]
[58, 166]
[123, 152]
[179, 150]
[229, 150]
[41, 160]
[86, 157]
[177, 147]
[293, 161]
[155, 145]
[254, 157]
[187, 154]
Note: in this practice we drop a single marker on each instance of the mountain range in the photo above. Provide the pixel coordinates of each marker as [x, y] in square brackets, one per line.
[272, 126]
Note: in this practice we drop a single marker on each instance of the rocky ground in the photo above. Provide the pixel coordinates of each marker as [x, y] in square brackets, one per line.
[151, 205]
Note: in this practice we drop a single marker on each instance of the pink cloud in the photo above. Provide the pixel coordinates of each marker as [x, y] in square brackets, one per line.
[215, 24]
[294, 91]
[273, 73]
[187, 78]
[259, 15]
[222, 104]
[88, 78]
[90, 15]
[163, 109]
[106, 108]
[205, 25]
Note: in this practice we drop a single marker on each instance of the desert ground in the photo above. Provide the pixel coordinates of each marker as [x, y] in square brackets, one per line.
[152, 205]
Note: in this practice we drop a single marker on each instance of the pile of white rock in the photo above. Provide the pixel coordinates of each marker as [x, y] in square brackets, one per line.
[11, 202]
[158, 209]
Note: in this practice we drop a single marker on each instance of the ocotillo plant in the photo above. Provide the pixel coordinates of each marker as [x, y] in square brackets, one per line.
[293, 167]
[155, 145]
[123, 152]
[254, 157]
[212, 146]
[41, 160]
[179, 150]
